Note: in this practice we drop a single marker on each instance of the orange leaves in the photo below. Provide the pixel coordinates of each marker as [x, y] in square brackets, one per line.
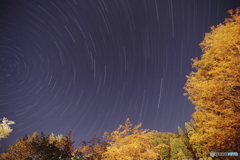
[40, 147]
[92, 149]
[213, 87]
[20, 150]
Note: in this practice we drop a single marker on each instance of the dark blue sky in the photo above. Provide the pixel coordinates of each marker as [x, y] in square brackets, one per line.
[87, 65]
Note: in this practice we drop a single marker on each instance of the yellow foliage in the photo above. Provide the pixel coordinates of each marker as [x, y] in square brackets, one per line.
[215, 87]
[133, 147]
[4, 128]
[58, 139]
[129, 143]
[123, 131]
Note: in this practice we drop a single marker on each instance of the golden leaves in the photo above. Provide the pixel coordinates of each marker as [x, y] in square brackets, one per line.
[131, 143]
[213, 87]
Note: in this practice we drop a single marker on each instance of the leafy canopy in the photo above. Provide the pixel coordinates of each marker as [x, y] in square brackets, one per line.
[215, 87]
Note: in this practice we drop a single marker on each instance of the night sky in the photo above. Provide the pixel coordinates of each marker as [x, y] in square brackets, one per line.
[87, 65]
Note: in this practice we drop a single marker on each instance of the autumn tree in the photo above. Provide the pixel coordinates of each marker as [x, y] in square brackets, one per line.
[40, 147]
[133, 147]
[67, 149]
[179, 150]
[58, 140]
[92, 150]
[21, 150]
[4, 128]
[214, 88]
[182, 148]
[197, 150]
[131, 143]
[120, 132]
[187, 147]
[158, 139]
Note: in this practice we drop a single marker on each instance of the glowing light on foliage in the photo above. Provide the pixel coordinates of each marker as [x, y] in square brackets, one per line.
[4, 128]
[214, 87]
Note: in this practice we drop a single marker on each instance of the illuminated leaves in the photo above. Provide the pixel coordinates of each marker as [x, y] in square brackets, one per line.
[213, 88]
[135, 147]
[131, 143]
[123, 131]
[4, 128]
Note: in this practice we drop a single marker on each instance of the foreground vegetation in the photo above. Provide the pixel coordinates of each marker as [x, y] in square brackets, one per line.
[215, 91]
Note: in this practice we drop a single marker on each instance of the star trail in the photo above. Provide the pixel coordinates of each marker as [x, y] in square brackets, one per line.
[86, 66]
